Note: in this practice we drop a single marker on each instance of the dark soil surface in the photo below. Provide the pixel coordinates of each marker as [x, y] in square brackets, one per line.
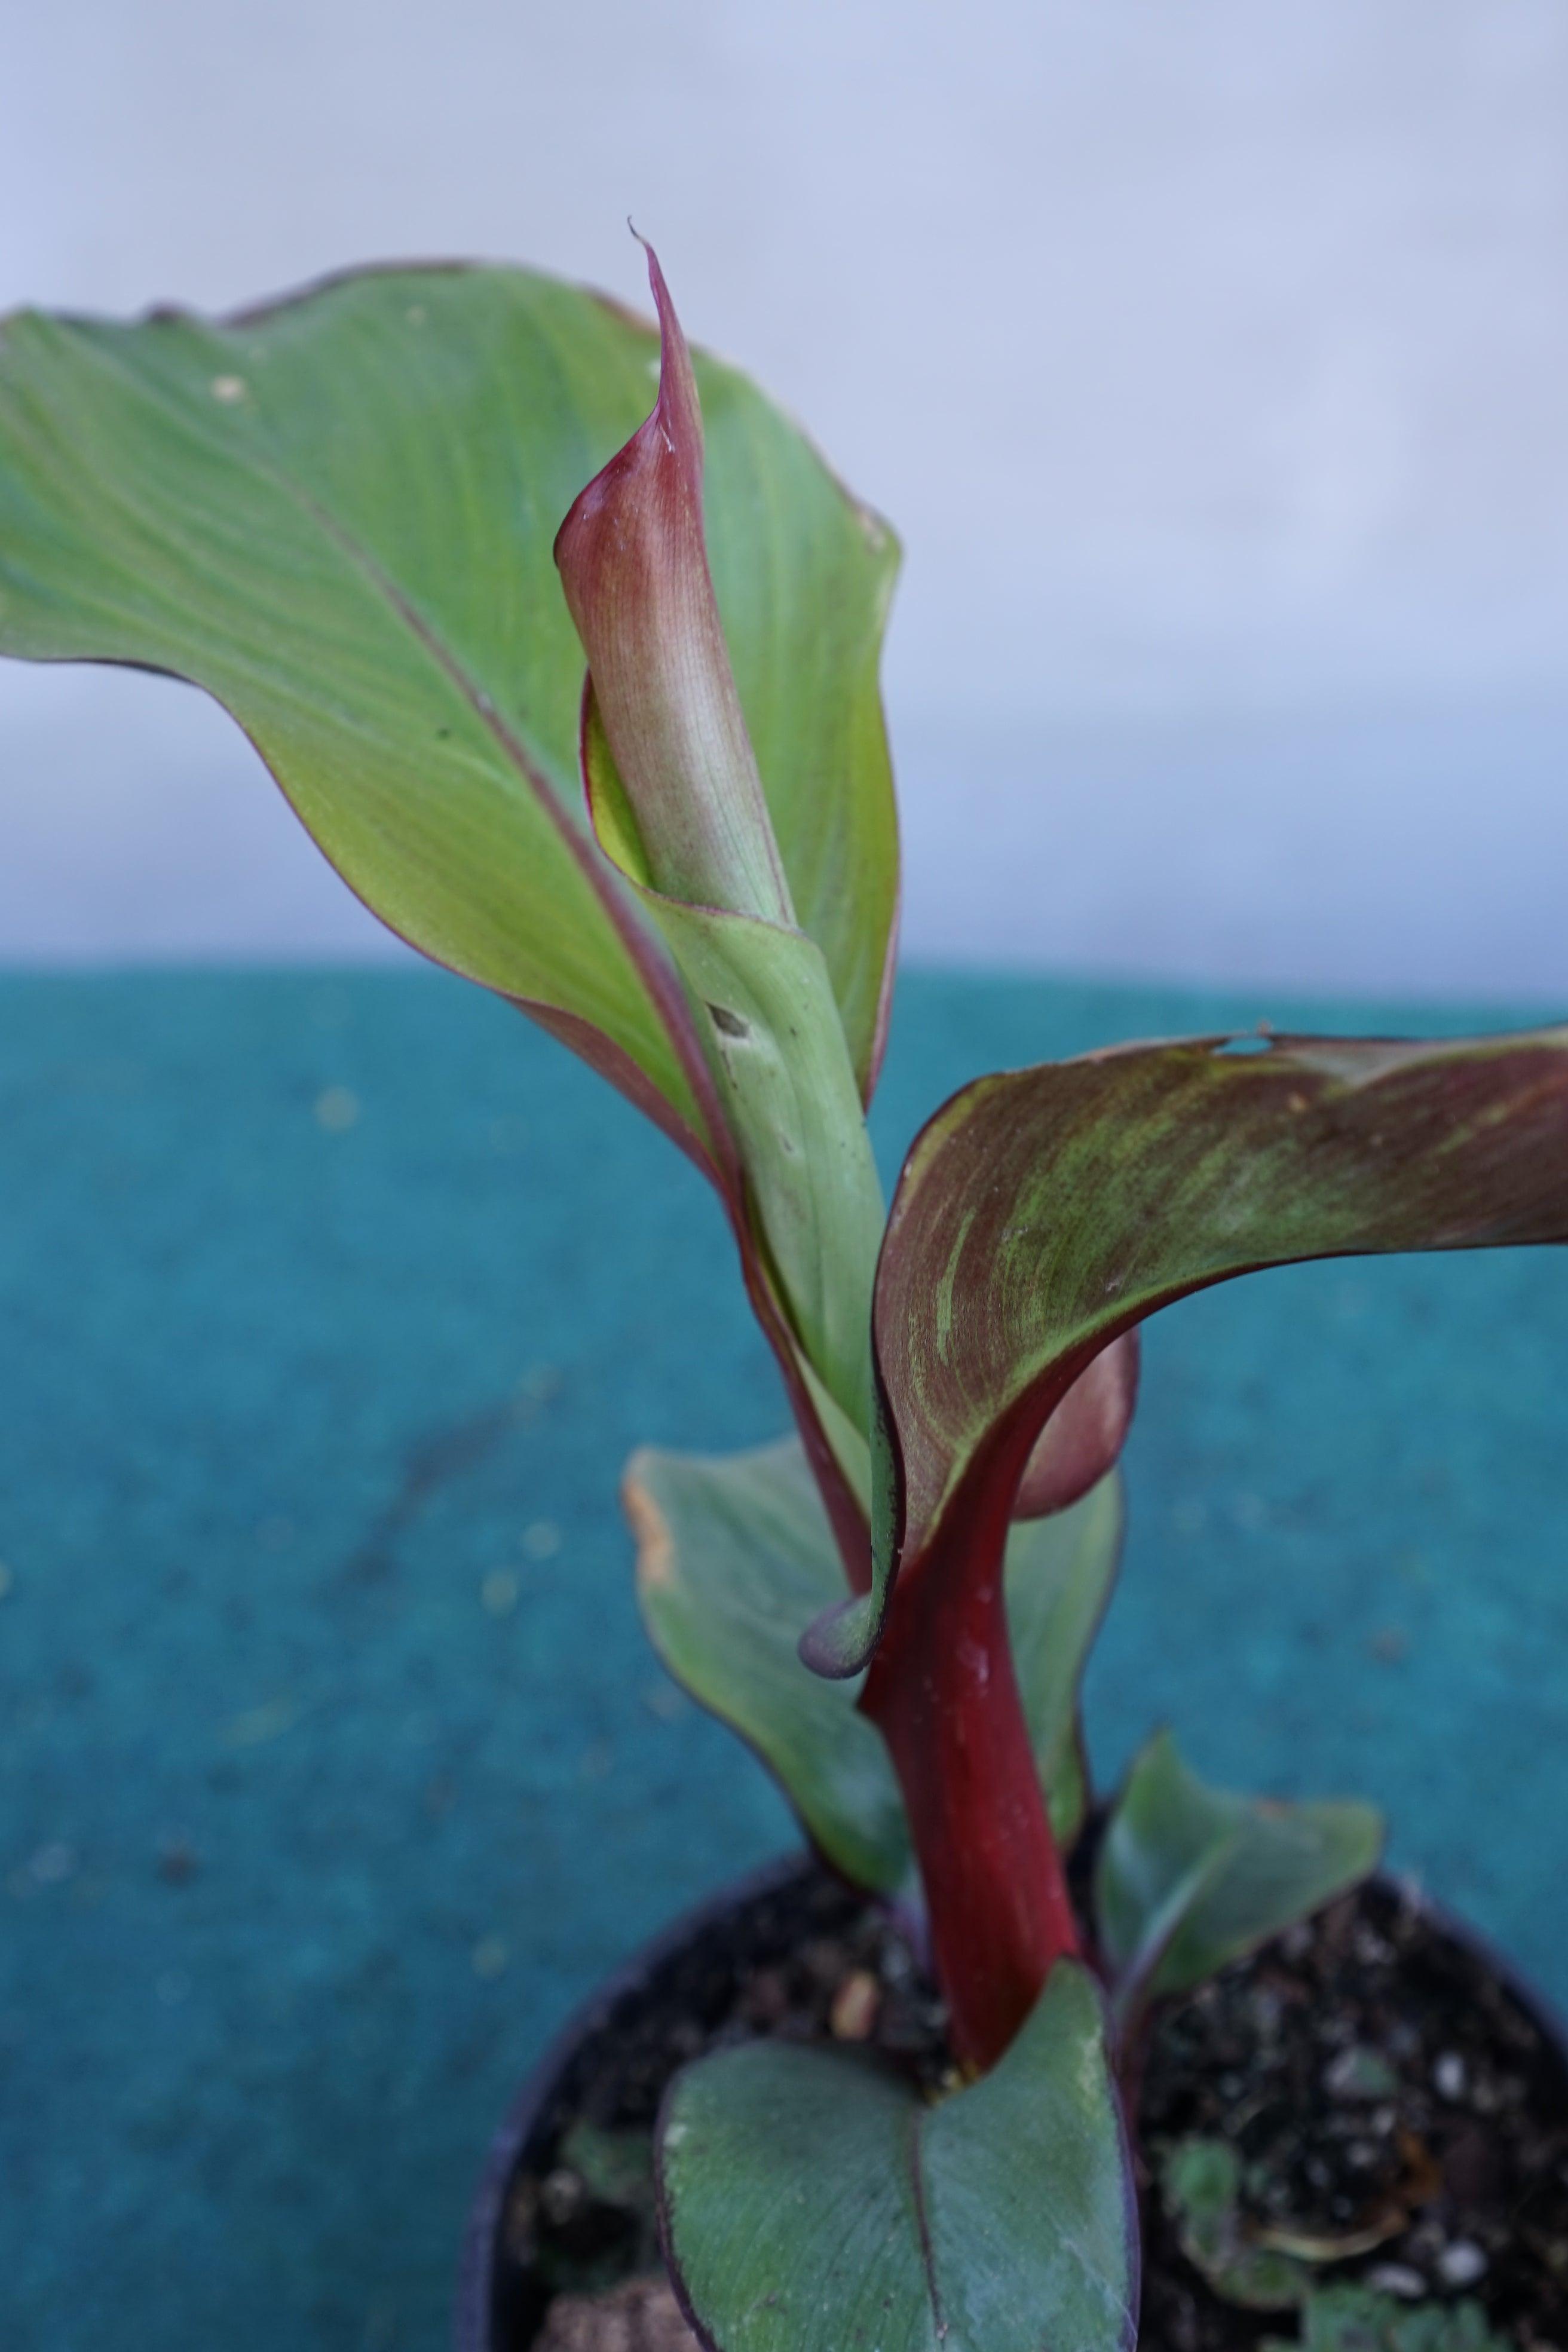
[1401, 2120]
[1391, 2102]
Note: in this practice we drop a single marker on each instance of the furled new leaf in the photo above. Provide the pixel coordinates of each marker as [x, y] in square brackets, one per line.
[812, 2201]
[735, 1555]
[677, 804]
[336, 516]
[1189, 1877]
[1043, 1211]
[634, 565]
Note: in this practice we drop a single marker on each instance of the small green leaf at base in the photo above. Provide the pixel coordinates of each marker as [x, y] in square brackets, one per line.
[1200, 2184]
[1190, 1877]
[812, 2202]
[1359, 2319]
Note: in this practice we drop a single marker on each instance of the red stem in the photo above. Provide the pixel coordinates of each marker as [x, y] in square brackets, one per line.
[942, 1692]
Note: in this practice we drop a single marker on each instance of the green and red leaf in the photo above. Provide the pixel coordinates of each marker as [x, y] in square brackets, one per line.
[1044, 1211]
[634, 564]
[1190, 1877]
[678, 805]
[1040, 1215]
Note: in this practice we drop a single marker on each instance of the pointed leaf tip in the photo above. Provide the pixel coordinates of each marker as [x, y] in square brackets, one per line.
[1189, 1877]
[634, 565]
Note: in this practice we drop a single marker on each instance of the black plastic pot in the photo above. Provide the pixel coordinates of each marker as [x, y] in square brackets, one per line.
[493, 2308]
[492, 2298]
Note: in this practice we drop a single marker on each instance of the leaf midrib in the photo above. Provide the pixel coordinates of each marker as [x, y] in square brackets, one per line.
[653, 968]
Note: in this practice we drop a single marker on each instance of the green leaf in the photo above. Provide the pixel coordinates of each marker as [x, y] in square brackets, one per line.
[1043, 1211]
[769, 1025]
[336, 516]
[1200, 2185]
[1189, 1877]
[1359, 2319]
[805, 575]
[616, 2167]
[790, 1098]
[812, 2202]
[735, 1555]
[1059, 1572]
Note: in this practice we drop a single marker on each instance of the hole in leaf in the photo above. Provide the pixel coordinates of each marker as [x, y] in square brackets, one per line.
[728, 1024]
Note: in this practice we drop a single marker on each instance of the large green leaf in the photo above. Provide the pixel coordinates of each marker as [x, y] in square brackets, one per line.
[1044, 1211]
[814, 2204]
[1189, 1877]
[735, 1555]
[336, 515]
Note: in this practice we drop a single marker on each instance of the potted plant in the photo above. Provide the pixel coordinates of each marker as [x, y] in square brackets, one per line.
[918, 2090]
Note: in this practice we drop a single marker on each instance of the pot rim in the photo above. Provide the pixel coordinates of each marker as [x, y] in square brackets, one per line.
[476, 2273]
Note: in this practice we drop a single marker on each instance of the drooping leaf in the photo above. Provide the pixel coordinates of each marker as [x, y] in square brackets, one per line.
[336, 516]
[735, 1555]
[1041, 1211]
[1189, 1877]
[811, 2201]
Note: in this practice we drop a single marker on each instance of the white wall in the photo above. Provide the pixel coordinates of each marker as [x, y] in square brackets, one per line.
[1210, 357]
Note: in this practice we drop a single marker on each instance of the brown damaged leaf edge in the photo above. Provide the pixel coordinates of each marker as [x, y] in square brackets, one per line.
[656, 1570]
